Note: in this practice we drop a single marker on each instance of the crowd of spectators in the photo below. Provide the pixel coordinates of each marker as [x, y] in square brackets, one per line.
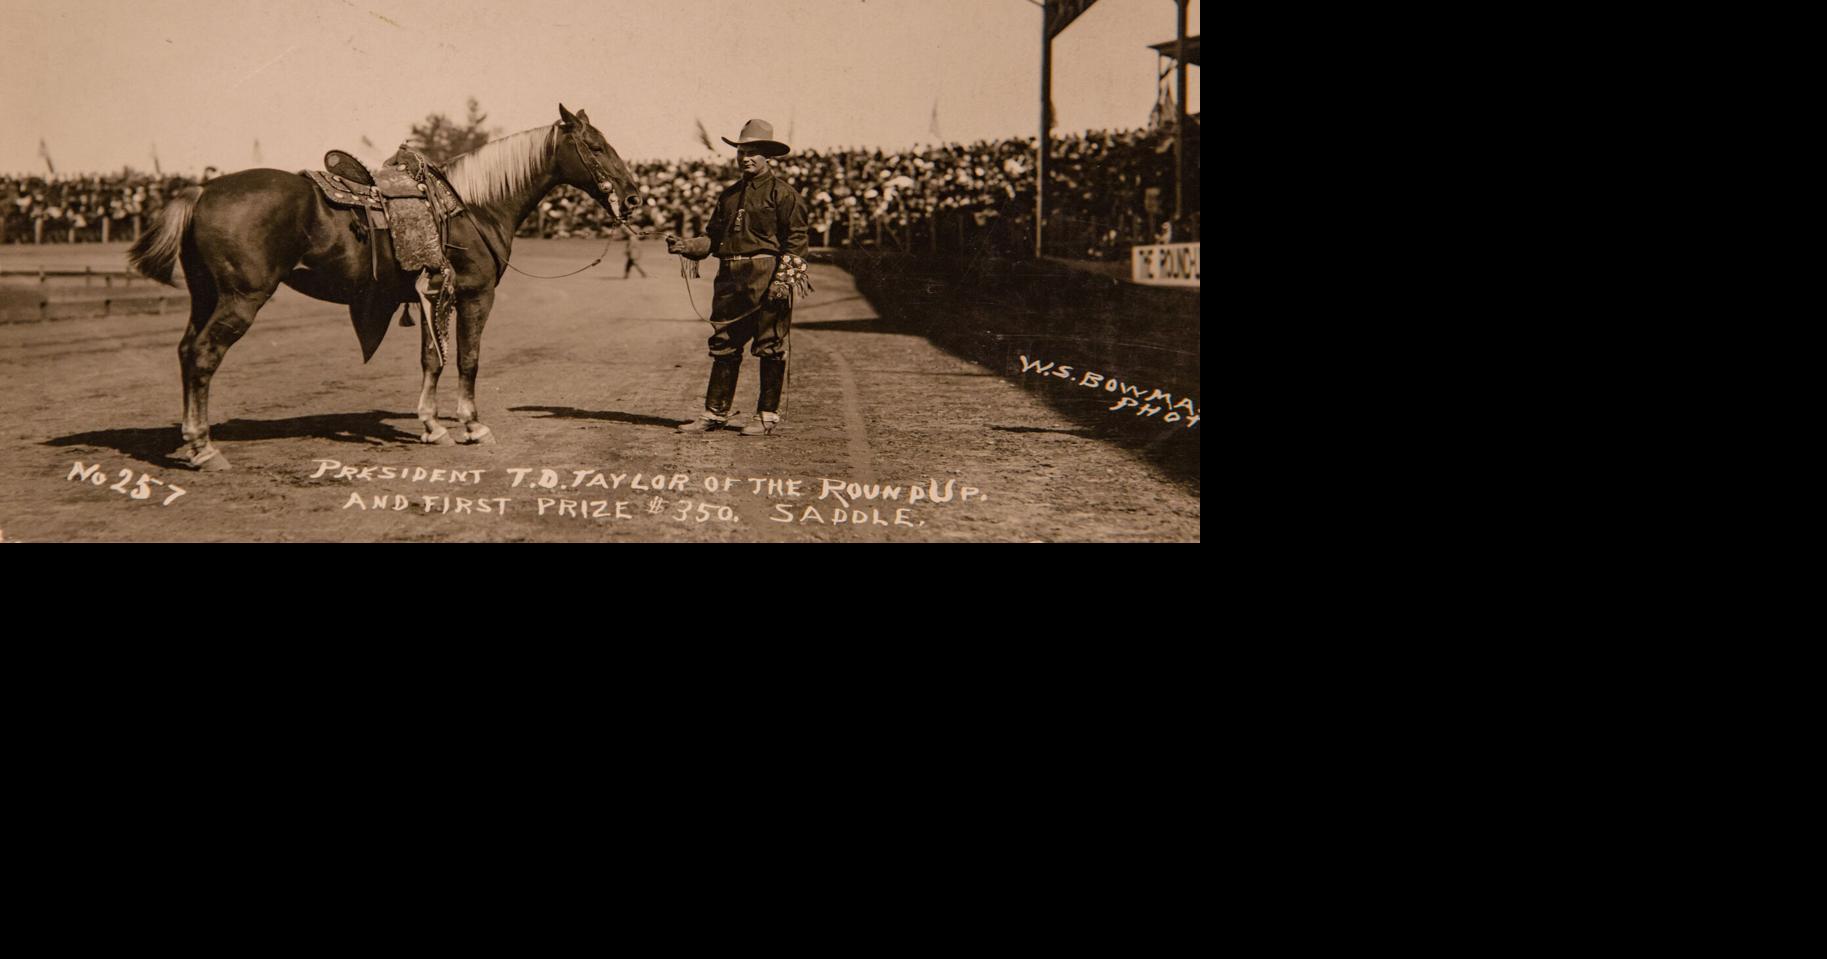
[1105, 192]
[974, 196]
[82, 208]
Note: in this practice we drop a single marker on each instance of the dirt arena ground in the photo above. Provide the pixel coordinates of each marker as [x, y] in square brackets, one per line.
[582, 381]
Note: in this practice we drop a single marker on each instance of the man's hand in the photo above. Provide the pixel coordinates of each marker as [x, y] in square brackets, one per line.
[692, 248]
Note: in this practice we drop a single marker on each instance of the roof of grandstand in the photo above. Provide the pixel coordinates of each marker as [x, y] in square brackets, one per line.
[1167, 49]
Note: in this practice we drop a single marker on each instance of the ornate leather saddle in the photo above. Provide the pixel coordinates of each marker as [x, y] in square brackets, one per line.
[409, 198]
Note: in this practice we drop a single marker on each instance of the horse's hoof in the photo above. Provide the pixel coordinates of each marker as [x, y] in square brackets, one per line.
[440, 438]
[483, 436]
[212, 462]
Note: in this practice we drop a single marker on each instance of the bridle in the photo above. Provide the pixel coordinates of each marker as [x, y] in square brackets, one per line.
[598, 175]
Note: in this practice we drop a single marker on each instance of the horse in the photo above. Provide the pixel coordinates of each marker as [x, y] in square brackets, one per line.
[242, 235]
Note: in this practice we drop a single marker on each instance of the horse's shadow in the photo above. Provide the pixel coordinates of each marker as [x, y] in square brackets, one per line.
[155, 444]
[612, 416]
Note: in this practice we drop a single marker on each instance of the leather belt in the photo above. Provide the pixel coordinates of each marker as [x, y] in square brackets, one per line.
[755, 256]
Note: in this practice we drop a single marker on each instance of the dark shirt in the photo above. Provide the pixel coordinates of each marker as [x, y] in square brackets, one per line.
[773, 218]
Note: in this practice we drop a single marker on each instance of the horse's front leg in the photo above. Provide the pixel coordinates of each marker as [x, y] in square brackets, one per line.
[428, 390]
[472, 314]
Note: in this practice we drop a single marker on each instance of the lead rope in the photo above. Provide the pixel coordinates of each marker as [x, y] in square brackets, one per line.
[606, 244]
[686, 268]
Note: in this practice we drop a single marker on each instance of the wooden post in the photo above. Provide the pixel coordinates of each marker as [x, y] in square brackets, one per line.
[38, 230]
[136, 226]
[1180, 120]
[1040, 152]
[106, 223]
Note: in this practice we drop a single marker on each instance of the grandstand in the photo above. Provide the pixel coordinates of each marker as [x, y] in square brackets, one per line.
[963, 203]
[951, 198]
[83, 208]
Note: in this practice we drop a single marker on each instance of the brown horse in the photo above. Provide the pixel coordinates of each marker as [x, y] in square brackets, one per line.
[243, 234]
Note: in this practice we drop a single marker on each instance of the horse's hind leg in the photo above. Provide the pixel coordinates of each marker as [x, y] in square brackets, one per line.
[430, 363]
[472, 315]
[202, 307]
[246, 233]
[200, 354]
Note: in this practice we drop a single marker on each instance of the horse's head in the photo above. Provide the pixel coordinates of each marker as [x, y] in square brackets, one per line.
[587, 161]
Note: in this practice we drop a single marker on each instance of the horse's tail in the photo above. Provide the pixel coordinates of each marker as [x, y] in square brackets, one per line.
[156, 251]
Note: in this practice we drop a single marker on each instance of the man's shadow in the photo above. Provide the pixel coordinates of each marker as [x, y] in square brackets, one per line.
[610, 416]
[155, 444]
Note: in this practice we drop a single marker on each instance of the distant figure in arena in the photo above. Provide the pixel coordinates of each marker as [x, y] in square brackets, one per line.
[759, 232]
[634, 259]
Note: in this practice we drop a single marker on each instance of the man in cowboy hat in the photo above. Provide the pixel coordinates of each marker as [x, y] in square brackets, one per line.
[759, 222]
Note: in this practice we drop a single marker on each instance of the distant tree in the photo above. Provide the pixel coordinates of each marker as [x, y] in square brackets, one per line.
[440, 138]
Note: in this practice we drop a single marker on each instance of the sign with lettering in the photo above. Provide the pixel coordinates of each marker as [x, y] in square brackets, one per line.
[1165, 264]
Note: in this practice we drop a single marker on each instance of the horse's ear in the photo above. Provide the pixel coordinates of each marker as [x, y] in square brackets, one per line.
[566, 118]
[584, 115]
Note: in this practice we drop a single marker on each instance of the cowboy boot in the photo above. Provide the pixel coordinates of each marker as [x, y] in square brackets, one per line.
[767, 408]
[717, 396]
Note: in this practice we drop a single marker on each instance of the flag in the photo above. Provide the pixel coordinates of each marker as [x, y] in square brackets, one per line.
[704, 137]
[1163, 115]
[1061, 13]
[933, 127]
[257, 158]
[156, 169]
[45, 151]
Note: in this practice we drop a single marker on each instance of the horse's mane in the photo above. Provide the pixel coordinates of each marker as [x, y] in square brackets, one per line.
[502, 167]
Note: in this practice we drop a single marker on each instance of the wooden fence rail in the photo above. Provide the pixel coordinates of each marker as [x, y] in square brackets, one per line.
[89, 275]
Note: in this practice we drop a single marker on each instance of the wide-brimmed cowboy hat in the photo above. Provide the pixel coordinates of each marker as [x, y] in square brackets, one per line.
[760, 135]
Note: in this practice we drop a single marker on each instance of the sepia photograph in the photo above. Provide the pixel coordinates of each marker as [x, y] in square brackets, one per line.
[701, 271]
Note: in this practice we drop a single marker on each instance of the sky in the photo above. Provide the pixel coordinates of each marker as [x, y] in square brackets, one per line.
[105, 82]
